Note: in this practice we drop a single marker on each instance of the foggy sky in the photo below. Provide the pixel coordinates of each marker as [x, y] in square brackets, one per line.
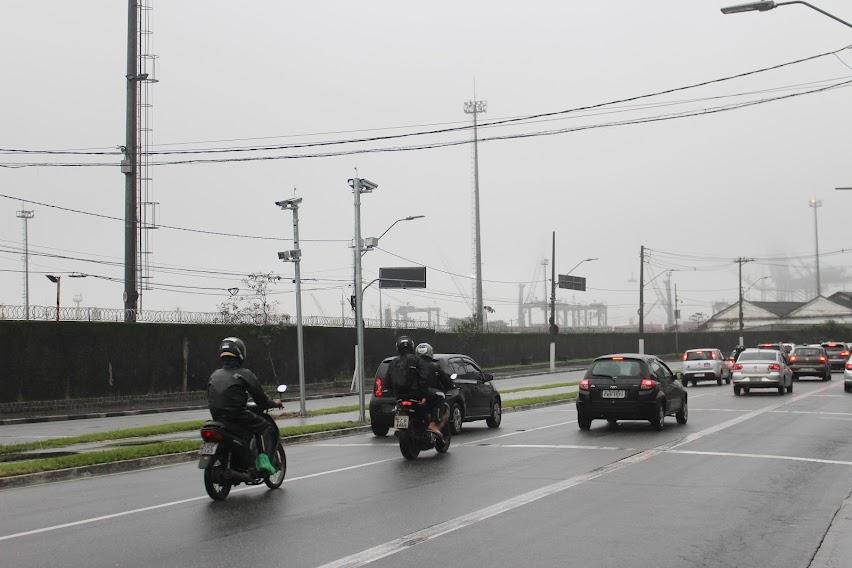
[724, 185]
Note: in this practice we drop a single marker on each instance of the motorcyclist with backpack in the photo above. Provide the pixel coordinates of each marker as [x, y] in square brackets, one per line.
[227, 396]
[410, 376]
[437, 384]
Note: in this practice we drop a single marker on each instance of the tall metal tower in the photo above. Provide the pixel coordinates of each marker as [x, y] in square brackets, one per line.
[475, 107]
[25, 215]
[146, 207]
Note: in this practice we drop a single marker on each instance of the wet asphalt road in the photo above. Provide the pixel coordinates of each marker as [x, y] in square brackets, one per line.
[749, 482]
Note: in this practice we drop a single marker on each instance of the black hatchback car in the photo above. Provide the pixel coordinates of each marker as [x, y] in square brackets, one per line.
[630, 387]
[473, 398]
[810, 360]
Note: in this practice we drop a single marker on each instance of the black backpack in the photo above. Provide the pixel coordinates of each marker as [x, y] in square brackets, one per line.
[404, 375]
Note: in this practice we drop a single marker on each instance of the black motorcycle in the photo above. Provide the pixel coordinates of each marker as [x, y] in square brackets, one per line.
[229, 454]
[411, 421]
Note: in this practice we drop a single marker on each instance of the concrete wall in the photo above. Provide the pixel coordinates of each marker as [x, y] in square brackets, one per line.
[55, 360]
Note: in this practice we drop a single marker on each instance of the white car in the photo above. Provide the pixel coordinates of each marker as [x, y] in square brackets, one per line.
[705, 365]
[762, 369]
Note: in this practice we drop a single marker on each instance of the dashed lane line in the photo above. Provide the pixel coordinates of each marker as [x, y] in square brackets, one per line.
[760, 456]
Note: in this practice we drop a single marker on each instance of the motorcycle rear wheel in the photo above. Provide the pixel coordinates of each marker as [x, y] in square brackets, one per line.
[216, 491]
[279, 460]
[408, 446]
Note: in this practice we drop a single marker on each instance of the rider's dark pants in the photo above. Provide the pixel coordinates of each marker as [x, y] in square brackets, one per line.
[433, 404]
[250, 421]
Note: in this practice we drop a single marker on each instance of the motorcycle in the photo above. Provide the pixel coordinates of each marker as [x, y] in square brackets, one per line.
[229, 454]
[412, 428]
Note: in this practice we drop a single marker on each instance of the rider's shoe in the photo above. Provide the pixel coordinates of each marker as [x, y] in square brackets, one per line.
[433, 427]
[264, 465]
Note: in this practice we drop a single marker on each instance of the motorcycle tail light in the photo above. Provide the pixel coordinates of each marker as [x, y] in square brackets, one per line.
[793, 358]
[211, 435]
[647, 384]
[406, 403]
[377, 388]
[585, 384]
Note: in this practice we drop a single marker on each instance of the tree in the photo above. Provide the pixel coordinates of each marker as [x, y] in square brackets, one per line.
[255, 306]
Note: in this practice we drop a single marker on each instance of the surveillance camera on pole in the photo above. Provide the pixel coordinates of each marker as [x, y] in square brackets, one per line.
[295, 256]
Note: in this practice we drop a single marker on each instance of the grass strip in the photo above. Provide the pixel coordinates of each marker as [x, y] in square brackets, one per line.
[540, 387]
[539, 399]
[141, 451]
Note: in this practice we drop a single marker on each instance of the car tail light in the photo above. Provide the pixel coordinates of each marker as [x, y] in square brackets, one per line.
[774, 367]
[737, 367]
[377, 388]
[822, 358]
[844, 354]
[684, 356]
[713, 355]
[585, 384]
[647, 384]
[406, 403]
[793, 358]
[211, 435]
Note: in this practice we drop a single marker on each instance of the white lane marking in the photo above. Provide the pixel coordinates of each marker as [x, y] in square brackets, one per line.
[397, 545]
[812, 412]
[516, 433]
[178, 502]
[721, 409]
[832, 395]
[760, 456]
[33, 437]
[561, 447]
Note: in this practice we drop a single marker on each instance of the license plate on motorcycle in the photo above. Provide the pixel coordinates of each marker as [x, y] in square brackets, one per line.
[209, 448]
[613, 394]
[400, 422]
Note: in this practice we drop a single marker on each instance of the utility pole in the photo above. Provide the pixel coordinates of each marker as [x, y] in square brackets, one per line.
[676, 318]
[554, 330]
[128, 168]
[295, 256]
[26, 215]
[359, 186]
[670, 309]
[475, 107]
[816, 204]
[741, 261]
[642, 299]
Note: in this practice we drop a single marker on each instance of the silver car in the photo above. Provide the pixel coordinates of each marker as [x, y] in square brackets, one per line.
[762, 369]
[705, 365]
[847, 376]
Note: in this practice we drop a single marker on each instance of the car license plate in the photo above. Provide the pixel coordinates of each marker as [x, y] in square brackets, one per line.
[209, 448]
[699, 374]
[613, 394]
[807, 370]
[706, 365]
[400, 422]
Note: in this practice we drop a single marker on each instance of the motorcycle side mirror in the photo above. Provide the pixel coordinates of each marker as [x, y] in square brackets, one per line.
[486, 377]
[281, 388]
[454, 376]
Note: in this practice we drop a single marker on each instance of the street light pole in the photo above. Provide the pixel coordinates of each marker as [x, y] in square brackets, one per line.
[295, 256]
[816, 204]
[26, 215]
[359, 186]
[553, 329]
[741, 261]
[475, 107]
[56, 280]
[769, 5]
[642, 300]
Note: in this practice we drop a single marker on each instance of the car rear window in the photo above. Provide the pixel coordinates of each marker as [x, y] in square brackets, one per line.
[808, 352]
[769, 346]
[614, 368]
[699, 355]
[756, 356]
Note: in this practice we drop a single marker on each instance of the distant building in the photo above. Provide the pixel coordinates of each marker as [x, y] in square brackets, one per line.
[820, 310]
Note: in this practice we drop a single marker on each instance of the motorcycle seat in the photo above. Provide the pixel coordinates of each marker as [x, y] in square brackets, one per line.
[230, 428]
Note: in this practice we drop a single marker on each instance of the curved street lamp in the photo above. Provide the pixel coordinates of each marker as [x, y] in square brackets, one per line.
[767, 5]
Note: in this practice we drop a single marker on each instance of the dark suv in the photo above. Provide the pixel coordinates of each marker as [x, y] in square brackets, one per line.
[810, 360]
[837, 353]
[473, 398]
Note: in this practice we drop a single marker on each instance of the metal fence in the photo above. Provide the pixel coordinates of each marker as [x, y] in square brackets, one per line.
[48, 313]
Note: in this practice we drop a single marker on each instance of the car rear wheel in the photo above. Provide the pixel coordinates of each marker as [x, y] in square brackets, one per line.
[728, 380]
[380, 428]
[583, 421]
[827, 376]
[683, 414]
[737, 391]
[659, 421]
[456, 419]
[790, 387]
[493, 421]
[847, 388]
[684, 382]
[719, 381]
[781, 390]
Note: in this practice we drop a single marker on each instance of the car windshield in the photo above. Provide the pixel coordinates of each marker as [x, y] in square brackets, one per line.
[614, 368]
[757, 356]
[808, 352]
[699, 355]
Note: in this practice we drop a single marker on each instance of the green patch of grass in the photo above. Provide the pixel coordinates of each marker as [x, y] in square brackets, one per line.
[539, 399]
[540, 387]
[324, 411]
[313, 428]
[99, 457]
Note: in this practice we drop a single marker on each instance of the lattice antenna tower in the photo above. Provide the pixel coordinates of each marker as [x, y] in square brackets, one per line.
[146, 69]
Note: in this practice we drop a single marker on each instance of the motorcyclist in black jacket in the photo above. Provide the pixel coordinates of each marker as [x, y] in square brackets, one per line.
[437, 381]
[227, 396]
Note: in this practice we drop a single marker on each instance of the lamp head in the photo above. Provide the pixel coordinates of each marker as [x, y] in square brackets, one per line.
[750, 7]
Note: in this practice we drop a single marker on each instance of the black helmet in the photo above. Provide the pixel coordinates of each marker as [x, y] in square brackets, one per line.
[233, 347]
[404, 344]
